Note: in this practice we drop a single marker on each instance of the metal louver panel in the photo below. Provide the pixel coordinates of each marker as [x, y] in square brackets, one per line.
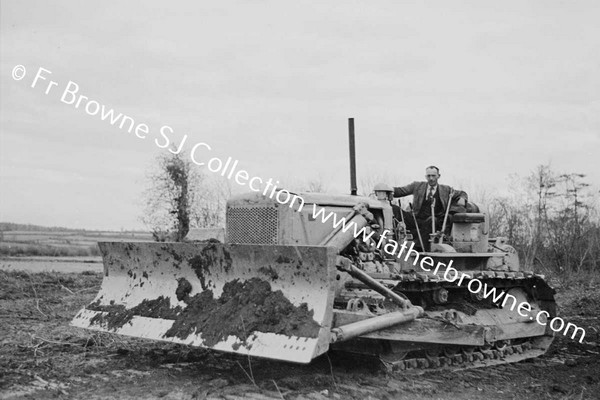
[252, 225]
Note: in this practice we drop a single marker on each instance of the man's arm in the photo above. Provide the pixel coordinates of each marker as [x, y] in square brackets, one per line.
[402, 191]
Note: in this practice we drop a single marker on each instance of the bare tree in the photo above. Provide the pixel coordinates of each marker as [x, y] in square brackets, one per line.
[552, 219]
[540, 186]
[573, 235]
[315, 186]
[209, 203]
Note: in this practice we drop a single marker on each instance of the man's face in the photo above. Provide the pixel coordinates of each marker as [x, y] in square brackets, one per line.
[381, 195]
[432, 176]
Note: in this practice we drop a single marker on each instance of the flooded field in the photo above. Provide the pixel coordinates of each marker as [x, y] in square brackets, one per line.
[48, 264]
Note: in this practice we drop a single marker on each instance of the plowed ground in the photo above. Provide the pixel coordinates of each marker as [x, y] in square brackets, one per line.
[41, 356]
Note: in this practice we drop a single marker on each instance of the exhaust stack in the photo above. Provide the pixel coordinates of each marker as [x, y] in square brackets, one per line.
[353, 188]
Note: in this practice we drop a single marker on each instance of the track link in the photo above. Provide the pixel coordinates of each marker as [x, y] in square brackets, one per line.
[478, 358]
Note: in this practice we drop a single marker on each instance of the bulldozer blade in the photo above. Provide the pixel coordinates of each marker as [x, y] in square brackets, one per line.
[258, 300]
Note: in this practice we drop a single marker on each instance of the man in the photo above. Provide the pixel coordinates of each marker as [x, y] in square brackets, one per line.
[425, 194]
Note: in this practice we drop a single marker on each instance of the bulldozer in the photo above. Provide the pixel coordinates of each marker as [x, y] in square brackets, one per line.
[287, 285]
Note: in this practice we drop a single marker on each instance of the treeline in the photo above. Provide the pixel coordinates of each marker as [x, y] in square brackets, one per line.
[9, 226]
[552, 219]
[14, 227]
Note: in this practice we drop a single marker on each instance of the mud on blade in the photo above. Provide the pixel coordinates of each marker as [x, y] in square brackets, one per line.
[265, 301]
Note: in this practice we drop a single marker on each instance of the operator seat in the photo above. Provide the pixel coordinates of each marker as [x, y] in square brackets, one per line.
[470, 230]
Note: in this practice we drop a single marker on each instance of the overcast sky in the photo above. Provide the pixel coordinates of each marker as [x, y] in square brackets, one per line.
[483, 89]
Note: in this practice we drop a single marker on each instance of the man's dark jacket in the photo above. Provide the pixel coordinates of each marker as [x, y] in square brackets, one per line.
[419, 191]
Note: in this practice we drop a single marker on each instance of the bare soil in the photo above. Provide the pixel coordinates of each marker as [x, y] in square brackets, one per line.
[41, 356]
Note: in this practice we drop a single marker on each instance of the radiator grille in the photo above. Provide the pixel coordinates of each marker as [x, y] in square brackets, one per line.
[252, 225]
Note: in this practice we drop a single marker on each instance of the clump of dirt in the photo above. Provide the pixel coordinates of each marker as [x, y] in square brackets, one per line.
[184, 288]
[244, 307]
[227, 259]
[283, 260]
[117, 315]
[210, 257]
[201, 266]
[173, 252]
[194, 316]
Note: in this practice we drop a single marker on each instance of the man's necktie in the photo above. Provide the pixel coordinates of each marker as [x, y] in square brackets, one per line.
[430, 193]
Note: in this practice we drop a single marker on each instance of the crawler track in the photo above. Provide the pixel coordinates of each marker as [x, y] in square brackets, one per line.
[420, 290]
[472, 358]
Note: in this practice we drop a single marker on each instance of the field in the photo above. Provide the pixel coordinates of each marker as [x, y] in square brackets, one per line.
[62, 243]
[41, 356]
[50, 264]
[47, 276]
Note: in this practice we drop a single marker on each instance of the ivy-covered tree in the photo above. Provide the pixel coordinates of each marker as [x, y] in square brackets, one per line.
[167, 199]
[179, 197]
